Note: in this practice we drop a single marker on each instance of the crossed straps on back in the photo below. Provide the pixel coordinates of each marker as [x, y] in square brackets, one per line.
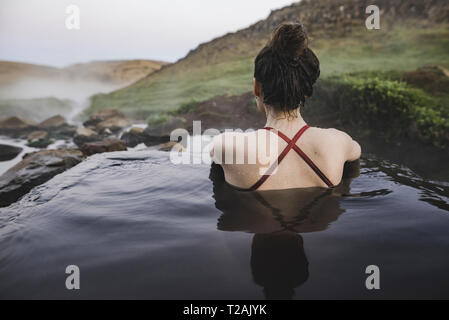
[291, 144]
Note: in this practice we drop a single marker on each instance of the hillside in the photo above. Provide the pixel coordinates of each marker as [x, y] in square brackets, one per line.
[413, 33]
[125, 71]
[114, 71]
[11, 72]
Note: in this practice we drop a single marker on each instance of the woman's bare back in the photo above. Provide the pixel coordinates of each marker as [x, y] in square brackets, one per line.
[329, 150]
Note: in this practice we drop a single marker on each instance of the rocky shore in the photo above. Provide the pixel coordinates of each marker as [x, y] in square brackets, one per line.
[105, 131]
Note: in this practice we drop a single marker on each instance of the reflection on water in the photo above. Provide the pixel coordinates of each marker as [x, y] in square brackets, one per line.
[279, 264]
[276, 218]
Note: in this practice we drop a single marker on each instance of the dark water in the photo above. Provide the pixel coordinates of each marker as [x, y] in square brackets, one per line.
[140, 227]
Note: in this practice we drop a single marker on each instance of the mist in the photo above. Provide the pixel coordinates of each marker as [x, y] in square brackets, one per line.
[78, 91]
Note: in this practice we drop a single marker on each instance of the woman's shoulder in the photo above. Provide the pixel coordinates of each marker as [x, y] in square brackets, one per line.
[331, 138]
[240, 142]
[229, 142]
[329, 132]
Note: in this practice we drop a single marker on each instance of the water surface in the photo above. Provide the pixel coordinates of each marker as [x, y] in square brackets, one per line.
[139, 226]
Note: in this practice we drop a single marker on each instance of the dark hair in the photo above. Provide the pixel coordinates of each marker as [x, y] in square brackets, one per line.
[286, 68]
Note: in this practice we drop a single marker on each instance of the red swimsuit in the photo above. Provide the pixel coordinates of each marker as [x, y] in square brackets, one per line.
[291, 145]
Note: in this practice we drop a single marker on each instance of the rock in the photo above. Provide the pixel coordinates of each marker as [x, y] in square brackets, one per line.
[101, 116]
[80, 131]
[39, 139]
[37, 135]
[171, 146]
[16, 126]
[36, 168]
[114, 124]
[66, 131]
[136, 130]
[40, 144]
[165, 129]
[84, 135]
[53, 122]
[8, 152]
[107, 145]
[16, 123]
[107, 119]
[58, 128]
[134, 137]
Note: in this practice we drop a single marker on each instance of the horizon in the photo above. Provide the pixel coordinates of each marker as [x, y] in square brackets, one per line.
[43, 39]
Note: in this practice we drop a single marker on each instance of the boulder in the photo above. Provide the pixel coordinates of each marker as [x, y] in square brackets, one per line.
[114, 124]
[16, 123]
[136, 130]
[107, 145]
[58, 128]
[65, 131]
[107, 119]
[40, 144]
[53, 122]
[84, 135]
[16, 126]
[35, 168]
[37, 135]
[134, 137]
[8, 152]
[103, 115]
[39, 139]
[171, 146]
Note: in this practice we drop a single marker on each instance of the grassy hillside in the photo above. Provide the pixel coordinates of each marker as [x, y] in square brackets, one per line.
[398, 49]
[413, 34]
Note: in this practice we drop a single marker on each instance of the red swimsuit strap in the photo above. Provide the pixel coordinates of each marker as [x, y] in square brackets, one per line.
[291, 144]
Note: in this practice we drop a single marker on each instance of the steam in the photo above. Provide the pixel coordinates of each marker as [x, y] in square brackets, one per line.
[78, 91]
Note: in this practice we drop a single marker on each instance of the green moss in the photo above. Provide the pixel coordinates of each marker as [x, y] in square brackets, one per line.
[40, 144]
[187, 107]
[157, 118]
[393, 109]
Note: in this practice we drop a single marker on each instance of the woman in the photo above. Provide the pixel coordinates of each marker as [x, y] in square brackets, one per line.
[285, 72]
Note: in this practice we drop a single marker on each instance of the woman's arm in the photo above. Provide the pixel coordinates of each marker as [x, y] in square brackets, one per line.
[354, 150]
[351, 148]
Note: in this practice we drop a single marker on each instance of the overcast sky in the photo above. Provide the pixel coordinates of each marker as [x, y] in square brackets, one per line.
[35, 30]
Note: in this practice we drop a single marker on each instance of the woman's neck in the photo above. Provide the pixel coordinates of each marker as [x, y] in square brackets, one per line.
[284, 122]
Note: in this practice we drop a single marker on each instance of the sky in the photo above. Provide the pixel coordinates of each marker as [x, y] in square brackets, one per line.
[35, 31]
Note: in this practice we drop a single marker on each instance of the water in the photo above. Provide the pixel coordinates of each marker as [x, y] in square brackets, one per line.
[5, 165]
[139, 226]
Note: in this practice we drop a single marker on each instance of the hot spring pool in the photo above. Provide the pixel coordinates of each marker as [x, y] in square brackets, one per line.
[138, 226]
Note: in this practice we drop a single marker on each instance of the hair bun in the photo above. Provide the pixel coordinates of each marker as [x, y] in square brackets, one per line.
[289, 40]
